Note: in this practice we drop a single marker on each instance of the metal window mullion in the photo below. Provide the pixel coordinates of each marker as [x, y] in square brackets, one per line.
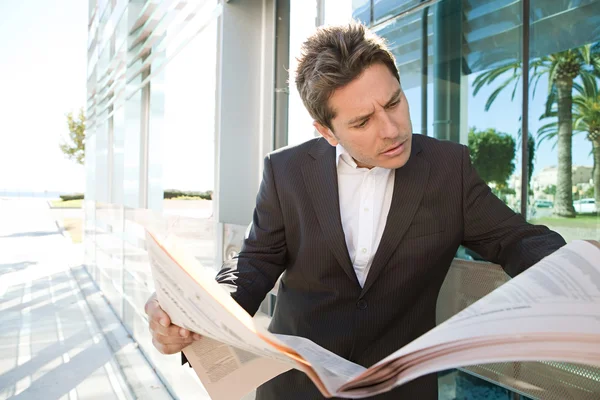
[144, 135]
[525, 110]
[320, 18]
[110, 157]
[424, 69]
[282, 56]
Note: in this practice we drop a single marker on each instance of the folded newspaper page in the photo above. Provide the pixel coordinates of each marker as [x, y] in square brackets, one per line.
[549, 312]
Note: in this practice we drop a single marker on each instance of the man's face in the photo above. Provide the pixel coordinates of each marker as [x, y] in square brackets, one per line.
[372, 120]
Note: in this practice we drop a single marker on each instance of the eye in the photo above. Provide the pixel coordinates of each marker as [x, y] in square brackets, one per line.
[394, 104]
[362, 124]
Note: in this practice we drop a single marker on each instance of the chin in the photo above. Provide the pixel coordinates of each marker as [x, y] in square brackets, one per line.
[397, 162]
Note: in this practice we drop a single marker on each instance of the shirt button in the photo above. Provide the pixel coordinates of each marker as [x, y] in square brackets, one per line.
[361, 305]
[364, 250]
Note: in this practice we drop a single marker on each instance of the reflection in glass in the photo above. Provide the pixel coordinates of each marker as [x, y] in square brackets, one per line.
[473, 94]
[565, 60]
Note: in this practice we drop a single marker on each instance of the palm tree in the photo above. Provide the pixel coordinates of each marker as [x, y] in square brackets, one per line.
[586, 119]
[561, 68]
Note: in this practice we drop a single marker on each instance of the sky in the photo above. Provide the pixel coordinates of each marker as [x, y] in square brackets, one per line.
[42, 77]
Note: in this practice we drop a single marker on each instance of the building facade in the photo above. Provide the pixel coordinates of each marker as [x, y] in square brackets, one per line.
[186, 97]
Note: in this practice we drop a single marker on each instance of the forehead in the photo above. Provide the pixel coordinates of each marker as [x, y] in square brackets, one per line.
[375, 86]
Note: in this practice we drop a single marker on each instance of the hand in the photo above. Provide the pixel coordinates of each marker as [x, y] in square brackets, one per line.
[166, 337]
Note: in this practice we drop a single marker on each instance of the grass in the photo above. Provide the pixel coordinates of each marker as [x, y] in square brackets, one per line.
[66, 204]
[581, 221]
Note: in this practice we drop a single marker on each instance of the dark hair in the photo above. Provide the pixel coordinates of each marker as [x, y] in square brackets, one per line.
[333, 57]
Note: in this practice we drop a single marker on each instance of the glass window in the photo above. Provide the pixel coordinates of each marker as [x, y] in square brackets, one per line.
[182, 141]
[180, 104]
[300, 127]
[474, 96]
[118, 143]
[384, 9]
[131, 160]
[564, 108]
[337, 12]
[302, 26]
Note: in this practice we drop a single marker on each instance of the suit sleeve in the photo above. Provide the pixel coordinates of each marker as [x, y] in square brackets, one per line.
[497, 233]
[254, 272]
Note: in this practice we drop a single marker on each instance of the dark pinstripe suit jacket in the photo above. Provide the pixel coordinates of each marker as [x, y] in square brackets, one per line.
[438, 203]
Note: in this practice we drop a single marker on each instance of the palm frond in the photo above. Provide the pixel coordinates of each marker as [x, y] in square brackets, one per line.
[495, 94]
[535, 78]
[551, 100]
[580, 125]
[490, 76]
[512, 96]
[585, 53]
[552, 75]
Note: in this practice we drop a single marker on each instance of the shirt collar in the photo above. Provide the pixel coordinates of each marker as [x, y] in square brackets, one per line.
[342, 153]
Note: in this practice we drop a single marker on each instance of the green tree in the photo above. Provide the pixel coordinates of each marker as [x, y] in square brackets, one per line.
[590, 193]
[531, 158]
[586, 120]
[492, 155]
[561, 69]
[74, 148]
[550, 190]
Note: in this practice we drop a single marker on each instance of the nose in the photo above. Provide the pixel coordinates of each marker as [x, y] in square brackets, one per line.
[388, 128]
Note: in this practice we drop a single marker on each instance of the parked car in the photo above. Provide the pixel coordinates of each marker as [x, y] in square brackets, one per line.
[543, 204]
[585, 206]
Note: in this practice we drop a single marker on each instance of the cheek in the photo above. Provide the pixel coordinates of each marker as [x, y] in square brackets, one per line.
[402, 116]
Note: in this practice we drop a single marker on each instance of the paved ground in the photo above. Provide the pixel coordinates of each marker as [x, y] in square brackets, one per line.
[52, 346]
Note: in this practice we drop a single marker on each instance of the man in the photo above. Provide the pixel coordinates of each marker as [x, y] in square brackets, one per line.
[364, 222]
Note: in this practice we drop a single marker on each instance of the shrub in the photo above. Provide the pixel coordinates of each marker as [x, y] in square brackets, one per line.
[75, 196]
[174, 193]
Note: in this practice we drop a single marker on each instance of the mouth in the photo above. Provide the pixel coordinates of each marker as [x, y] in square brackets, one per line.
[395, 150]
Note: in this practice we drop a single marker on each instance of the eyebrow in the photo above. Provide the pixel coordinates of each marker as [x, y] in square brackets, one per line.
[395, 97]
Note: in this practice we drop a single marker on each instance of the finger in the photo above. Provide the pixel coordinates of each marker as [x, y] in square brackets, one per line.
[171, 339]
[169, 335]
[171, 330]
[168, 349]
[155, 313]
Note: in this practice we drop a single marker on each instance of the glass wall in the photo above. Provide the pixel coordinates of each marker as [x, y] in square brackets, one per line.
[563, 115]
[461, 66]
[300, 127]
[150, 150]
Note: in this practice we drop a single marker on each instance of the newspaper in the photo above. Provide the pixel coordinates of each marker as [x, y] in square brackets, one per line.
[549, 312]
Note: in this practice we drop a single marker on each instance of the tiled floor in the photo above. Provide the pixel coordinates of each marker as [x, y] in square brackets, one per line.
[51, 345]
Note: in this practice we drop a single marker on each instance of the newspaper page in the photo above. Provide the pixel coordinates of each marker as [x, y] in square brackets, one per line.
[549, 312]
[333, 370]
[225, 364]
[230, 359]
[228, 372]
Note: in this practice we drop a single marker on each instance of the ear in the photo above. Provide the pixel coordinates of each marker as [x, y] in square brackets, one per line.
[326, 133]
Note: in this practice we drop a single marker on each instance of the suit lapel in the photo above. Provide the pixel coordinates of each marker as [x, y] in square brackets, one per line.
[409, 186]
[320, 178]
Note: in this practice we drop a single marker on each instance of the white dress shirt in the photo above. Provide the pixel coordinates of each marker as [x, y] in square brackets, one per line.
[365, 198]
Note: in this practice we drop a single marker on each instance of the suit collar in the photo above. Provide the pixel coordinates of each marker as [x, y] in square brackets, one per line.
[409, 187]
[320, 178]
